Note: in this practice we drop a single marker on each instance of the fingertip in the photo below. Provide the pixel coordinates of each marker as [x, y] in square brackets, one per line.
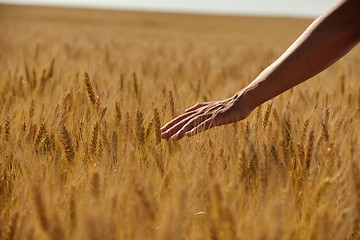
[177, 137]
[196, 106]
[164, 135]
[173, 138]
[190, 133]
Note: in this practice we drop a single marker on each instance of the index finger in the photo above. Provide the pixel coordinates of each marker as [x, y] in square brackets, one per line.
[196, 106]
[176, 120]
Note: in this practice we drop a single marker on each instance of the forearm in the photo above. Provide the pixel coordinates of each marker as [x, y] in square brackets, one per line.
[326, 40]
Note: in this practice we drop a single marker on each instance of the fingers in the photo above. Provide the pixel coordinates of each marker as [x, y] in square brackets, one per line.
[167, 133]
[191, 124]
[187, 113]
[203, 116]
[196, 119]
[196, 106]
[202, 127]
[169, 129]
[175, 121]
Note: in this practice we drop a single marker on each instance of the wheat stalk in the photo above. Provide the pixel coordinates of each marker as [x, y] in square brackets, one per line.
[40, 135]
[114, 146]
[267, 114]
[94, 138]
[7, 129]
[157, 125]
[117, 114]
[325, 125]
[135, 85]
[67, 143]
[140, 130]
[89, 89]
[309, 150]
[172, 105]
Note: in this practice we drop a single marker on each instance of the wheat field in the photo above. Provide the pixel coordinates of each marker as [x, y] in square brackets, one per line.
[83, 94]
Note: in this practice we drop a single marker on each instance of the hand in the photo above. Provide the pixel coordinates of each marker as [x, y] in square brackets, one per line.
[204, 116]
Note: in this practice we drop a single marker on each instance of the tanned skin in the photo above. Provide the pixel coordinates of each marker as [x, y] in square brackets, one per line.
[326, 40]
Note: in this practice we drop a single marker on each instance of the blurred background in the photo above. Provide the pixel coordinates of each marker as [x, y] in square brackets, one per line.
[296, 8]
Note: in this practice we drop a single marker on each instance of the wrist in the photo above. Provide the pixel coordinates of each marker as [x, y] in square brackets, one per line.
[244, 103]
[247, 99]
[261, 89]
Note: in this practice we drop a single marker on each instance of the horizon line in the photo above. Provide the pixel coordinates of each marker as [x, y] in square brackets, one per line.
[220, 12]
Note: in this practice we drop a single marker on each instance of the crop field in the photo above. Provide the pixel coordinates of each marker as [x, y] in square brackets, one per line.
[83, 94]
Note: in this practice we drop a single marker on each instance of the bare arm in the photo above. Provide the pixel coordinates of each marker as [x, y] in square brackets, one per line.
[327, 39]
